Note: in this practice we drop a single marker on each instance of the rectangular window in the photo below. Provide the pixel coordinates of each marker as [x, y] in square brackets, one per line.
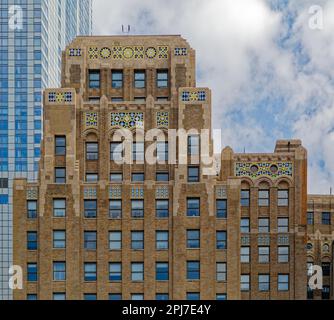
[193, 174]
[137, 240]
[221, 296]
[115, 271]
[90, 296]
[92, 177]
[32, 272]
[195, 296]
[59, 208]
[60, 175]
[283, 282]
[137, 177]
[32, 209]
[94, 79]
[162, 240]
[264, 254]
[59, 296]
[282, 225]
[326, 218]
[60, 145]
[245, 282]
[283, 198]
[115, 296]
[244, 225]
[117, 79]
[138, 151]
[162, 176]
[92, 151]
[59, 271]
[116, 177]
[115, 240]
[32, 240]
[161, 271]
[137, 209]
[264, 282]
[310, 218]
[32, 296]
[263, 198]
[264, 226]
[221, 209]
[162, 208]
[115, 209]
[90, 239]
[90, 271]
[193, 270]
[90, 208]
[162, 296]
[137, 296]
[283, 254]
[326, 293]
[59, 239]
[137, 271]
[326, 269]
[116, 151]
[193, 145]
[140, 99]
[221, 271]
[193, 207]
[162, 78]
[116, 99]
[162, 151]
[193, 239]
[221, 240]
[245, 254]
[140, 79]
[245, 198]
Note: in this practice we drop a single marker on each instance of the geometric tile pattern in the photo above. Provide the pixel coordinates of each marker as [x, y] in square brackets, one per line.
[32, 193]
[163, 52]
[90, 193]
[272, 170]
[189, 96]
[127, 120]
[263, 240]
[91, 119]
[162, 192]
[137, 193]
[221, 192]
[163, 119]
[74, 52]
[283, 240]
[180, 51]
[245, 240]
[93, 53]
[115, 192]
[60, 97]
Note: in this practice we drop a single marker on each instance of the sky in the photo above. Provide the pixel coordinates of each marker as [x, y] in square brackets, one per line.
[269, 63]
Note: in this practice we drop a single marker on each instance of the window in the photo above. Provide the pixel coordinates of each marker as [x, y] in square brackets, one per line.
[115, 296]
[283, 282]
[92, 151]
[116, 151]
[115, 209]
[193, 174]
[92, 177]
[193, 270]
[162, 151]
[116, 99]
[59, 271]
[140, 99]
[162, 78]
[137, 240]
[283, 254]
[245, 282]
[245, 254]
[90, 296]
[138, 151]
[90, 271]
[193, 207]
[283, 198]
[283, 225]
[115, 240]
[140, 79]
[193, 145]
[221, 240]
[193, 239]
[59, 239]
[310, 293]
[193, 296]
[221, 209]
[245, 198]
[90, 207]
[90, 240]
[326, 218]
[162, 240]
[59, 296]
[32, 209]
[325, 294]
[162, 176]
[162, 296]
[161, 271]
[137, 271]
[162, 98]
[263, 198]
[59, 208]
[162, 208]
[116, 177]
[31, 296]
[310, 268]
[264, 225]
[221, 271]
[264, 254]
[221, 297]
[326, 269]
[310, 218]
[137, 177]
[117, 79]
[32, 272]
[32, 240]
[137, 209]
[115, 271]
[264, 282]
[137, 296]
[60, 175]
[244, 225]
[60, 145]
[94, 79]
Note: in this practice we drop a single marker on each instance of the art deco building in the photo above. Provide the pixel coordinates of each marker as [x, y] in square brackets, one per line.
[92, 228]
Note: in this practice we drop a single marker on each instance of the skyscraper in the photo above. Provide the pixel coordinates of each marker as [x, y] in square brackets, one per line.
[33, 34]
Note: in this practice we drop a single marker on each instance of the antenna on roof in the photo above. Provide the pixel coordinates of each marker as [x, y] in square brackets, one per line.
[126, 29]
[330, 191]
[244, 149]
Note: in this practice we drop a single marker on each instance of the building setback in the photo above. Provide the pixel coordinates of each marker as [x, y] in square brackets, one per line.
[92, 228]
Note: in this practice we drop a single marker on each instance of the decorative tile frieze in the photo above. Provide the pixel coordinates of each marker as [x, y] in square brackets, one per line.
[60, 97]
[221, 192]
[245, 240]
[91, 119]
[32, 193]
[127, 120]
[74, 52]
[137, 193]
[162, 118]
[194, 95]
[90, 193]
[263, 240]
[115, 192]
[180, 51]
[162, 192]
[283, 240]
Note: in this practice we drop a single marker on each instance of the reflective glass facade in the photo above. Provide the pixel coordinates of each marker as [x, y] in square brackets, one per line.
[33, 34]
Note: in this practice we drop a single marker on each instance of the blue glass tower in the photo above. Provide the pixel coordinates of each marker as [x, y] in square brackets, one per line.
[33, 34]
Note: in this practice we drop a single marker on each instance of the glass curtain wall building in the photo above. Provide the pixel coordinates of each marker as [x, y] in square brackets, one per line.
[33, 34]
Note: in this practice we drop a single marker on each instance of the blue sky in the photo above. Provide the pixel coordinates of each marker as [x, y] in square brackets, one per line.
[270, 73]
